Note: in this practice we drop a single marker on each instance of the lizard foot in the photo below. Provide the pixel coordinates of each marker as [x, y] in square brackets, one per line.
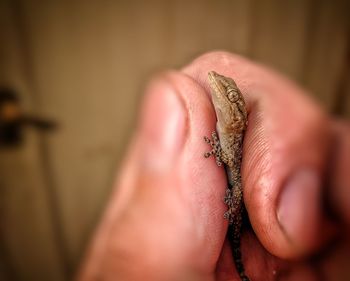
[216, 148]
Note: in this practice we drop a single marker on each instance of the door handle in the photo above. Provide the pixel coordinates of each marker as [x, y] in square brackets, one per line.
[13, 119]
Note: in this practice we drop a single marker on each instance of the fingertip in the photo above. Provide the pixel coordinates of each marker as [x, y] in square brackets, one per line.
[163, 126]
[283, 175]
[299, 209]
[204, 181]
[196, 181]
[200, 181]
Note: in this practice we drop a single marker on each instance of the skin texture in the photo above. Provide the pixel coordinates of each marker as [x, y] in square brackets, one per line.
[232, 120]
[164, 218]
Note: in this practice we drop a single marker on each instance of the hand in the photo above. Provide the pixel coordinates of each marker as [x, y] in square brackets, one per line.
[165, 218]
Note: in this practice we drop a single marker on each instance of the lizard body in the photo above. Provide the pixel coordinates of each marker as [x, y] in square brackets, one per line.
[226, 145]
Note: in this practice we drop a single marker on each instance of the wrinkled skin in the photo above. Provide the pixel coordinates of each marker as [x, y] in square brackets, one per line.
[164, 220]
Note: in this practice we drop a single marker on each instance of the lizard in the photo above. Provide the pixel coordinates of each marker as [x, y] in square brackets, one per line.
[226, 143]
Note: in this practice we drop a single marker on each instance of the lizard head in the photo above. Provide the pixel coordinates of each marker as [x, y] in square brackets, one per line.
[228, 103]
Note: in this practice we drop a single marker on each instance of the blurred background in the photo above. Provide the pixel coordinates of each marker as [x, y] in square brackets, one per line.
[71, 79]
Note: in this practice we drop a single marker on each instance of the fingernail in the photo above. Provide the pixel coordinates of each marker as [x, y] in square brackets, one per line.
[299, 208]
[163, 126]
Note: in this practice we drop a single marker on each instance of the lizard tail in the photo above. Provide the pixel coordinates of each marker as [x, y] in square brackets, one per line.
[236, 248]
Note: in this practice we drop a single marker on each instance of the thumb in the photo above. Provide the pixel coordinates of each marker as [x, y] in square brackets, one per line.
[166, 215]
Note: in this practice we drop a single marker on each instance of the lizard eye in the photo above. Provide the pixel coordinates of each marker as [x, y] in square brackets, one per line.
[232, 96]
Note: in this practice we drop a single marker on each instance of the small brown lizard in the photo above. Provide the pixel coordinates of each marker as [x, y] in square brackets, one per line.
[226, 146]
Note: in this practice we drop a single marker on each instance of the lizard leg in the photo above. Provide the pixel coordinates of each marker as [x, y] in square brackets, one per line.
[220, 159]
[216, 148]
